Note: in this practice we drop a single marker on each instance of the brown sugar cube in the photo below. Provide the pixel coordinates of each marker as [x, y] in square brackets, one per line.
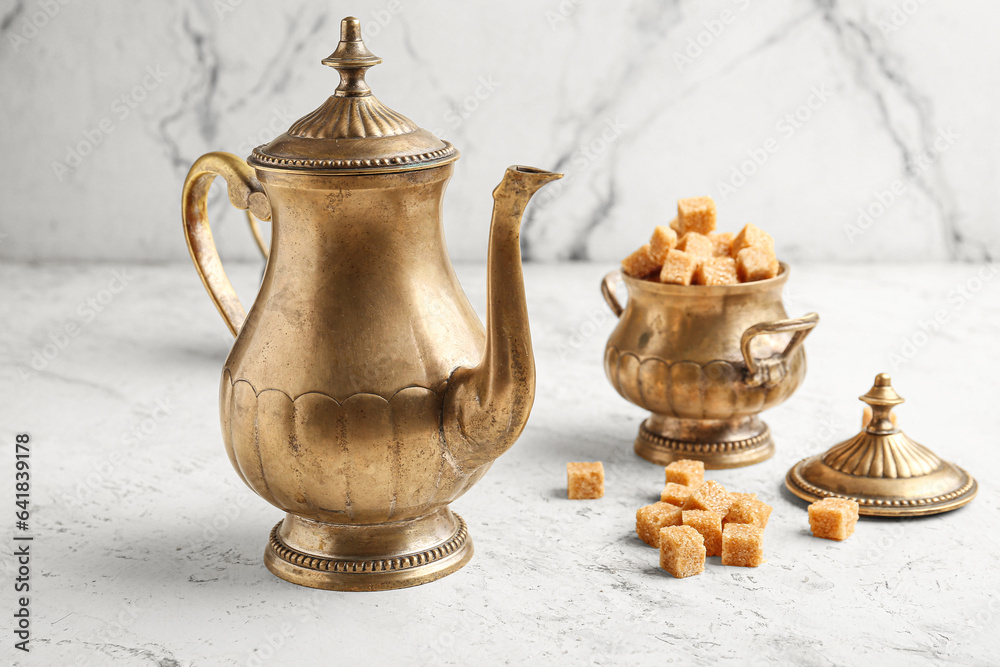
[651, 518]
[697, 245]
[717, 271]
[675, 225]
[710, 496]
[833, 518]
[585, 481]
[749, 510]
[696, 214]
[742, 545]
[866, 417]
[682, 551]
[686, 472]
[736, 495]
[722, 243]
[752, 236]
[756, 263]
[675, 494]
[663, 241]
[678, 268]
[709, 524]
[640, 263]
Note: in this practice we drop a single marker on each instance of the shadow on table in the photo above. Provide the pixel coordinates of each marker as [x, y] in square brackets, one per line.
[143, 556]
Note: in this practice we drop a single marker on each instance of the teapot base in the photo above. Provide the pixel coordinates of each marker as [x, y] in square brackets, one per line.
[372, 557]
[719, 443]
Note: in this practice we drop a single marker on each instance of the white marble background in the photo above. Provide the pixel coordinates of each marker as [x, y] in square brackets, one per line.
[842, 104]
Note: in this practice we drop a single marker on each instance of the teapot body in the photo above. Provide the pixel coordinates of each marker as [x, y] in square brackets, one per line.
[332, 396]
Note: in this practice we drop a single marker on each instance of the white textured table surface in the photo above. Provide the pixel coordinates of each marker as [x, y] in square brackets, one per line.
[148, 549]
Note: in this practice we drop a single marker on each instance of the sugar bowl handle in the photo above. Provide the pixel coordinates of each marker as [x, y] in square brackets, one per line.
[761, 372]
[245, 192]
[608, 285]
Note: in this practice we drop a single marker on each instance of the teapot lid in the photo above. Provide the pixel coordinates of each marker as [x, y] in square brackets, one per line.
[883, 469]
[353, 132]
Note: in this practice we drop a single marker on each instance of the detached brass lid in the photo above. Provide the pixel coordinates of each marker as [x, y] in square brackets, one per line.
[881, 468]
[353, 132]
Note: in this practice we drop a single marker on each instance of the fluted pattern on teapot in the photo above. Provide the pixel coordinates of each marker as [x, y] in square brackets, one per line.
[342, 461]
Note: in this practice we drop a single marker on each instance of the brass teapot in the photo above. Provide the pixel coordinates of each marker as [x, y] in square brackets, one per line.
[362, 394]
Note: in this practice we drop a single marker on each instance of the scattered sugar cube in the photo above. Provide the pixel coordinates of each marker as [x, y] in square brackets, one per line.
[749, 510]
[585, 481]
[686, 472]
[698, 245]
[640, 263]
[682, 551]
[833, 518]
[752, 236]
[866, 417]
[742, 545]
[717, 271]
[675, 494]
[722, 243]
[756, 263]
[709, 524]
[651, 518]
[696, 214]
[710, 496]
[663, 241]
[678, 268]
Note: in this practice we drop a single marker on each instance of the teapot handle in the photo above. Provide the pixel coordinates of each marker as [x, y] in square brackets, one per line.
[245, 192]
[801, 326]
[608, 285]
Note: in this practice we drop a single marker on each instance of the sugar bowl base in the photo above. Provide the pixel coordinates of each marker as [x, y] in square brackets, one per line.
[720, 443]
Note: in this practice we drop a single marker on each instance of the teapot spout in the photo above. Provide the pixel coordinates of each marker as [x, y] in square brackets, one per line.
[487, 406]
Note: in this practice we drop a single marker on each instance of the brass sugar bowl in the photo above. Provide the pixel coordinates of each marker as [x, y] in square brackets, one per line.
[705, 361]
[362, 394]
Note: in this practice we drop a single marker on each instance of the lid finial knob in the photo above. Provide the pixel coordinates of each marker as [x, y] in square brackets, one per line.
[882, 398]
[352, 59]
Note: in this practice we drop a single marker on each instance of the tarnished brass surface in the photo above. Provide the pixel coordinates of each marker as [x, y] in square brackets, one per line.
[705, 360]
[362, 394]
[886, 472]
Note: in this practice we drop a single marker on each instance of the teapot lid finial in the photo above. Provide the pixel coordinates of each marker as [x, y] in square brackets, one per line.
[352, 59]
[353, 132]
